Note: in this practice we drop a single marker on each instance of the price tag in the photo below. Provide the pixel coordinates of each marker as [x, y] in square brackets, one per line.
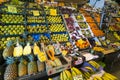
[78, 17]
[68, 43]
[12, 9]
[36, 13]
[64, 52]
[78, 77]
[66, 15]
[53, 12]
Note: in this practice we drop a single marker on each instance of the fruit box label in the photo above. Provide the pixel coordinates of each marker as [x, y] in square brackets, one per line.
[66, 15]
[36, 13]
[53, 12]
[78, 77]
[12, 9]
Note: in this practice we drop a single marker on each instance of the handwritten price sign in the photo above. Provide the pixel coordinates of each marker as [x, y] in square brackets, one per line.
[53, 12]
[36, 13]
[12, 9]
[78, 77]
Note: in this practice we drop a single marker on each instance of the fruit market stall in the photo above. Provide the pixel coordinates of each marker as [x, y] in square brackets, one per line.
[54, 40]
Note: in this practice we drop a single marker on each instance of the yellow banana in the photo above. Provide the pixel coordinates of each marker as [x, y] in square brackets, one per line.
[93, 63]
[110, 76]
[65, 76]
[57, 61]
[105, 78]
[53, 63]
[78, 72]
[61, 76]
[98, 77]
[87, 75]
[95, 78]
[89, 68]
[69, 75]
[73, 72]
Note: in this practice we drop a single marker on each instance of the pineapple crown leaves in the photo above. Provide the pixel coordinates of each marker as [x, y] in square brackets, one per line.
[22, 60]
[31, 57]
[28, 44]
[9, 43]
[10, 60]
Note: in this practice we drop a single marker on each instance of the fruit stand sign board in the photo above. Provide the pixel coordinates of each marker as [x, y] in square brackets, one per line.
[12, 9]
[53, 12]
[36, 13]
[78, 77]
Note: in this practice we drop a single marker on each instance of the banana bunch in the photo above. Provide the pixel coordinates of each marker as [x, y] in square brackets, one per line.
[90, 70]
[75, 71]
[65, 75]
[98, 49]
[94, 64]
[108, 76]
[99, 78]
[55, 63]
[86, 75]
[116, 35]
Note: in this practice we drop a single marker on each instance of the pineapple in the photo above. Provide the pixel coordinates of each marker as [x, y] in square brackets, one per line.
[18, 50]
[27, 49]
[8, 51]
[22, 67]
[11, 69]
[41, 66]
[32, 65]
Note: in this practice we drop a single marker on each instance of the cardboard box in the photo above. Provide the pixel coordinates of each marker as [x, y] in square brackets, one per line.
[66, 64]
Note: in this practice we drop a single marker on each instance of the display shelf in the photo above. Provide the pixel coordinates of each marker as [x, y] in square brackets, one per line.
[34, 9]
[4, 36]
[33, 6]
[11, 13]
[12, 23]
[37, 33]
[32, 77]
[34, 23]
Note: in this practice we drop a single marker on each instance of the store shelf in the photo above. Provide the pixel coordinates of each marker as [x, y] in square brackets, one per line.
[2, 36]
[33, 77]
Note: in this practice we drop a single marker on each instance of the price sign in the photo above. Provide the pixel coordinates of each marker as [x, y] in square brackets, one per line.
[66, 15]
[12, 9]
[78, 77]
[36, 13]
[64, 52]
[53, 12]
[78, 17]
